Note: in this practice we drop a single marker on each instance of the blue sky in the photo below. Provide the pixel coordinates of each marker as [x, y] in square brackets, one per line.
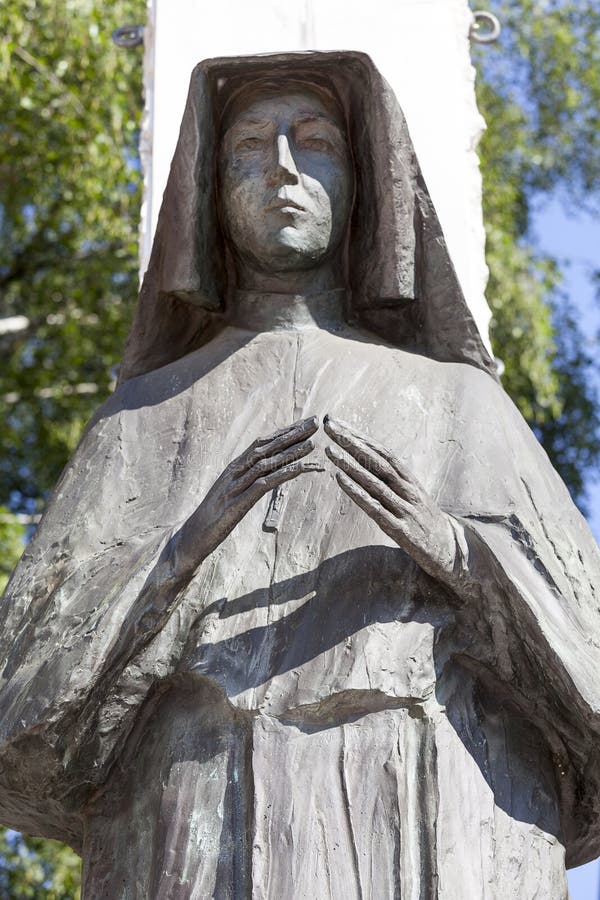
[578, 240]
[584, 883]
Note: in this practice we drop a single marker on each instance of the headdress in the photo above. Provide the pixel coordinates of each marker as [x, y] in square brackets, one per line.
[402, 283]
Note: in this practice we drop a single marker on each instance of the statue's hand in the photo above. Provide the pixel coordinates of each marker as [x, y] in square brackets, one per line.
[384, 488]
[267, 463]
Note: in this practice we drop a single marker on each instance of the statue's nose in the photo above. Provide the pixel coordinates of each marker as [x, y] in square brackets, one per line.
[286, 165]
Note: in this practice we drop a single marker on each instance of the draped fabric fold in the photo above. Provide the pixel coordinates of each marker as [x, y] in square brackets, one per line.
[84, 652]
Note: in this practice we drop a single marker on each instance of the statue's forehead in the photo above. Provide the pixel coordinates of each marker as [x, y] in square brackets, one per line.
[293, 101]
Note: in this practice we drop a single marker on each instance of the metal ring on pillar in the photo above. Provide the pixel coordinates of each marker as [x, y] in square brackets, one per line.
[485, 28]
[128, 36]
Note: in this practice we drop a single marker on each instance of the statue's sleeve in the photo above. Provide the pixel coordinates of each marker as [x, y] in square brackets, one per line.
[92, 594]
[528, 577]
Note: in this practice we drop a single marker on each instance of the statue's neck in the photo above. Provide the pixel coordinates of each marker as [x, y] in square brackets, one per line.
[270, 311]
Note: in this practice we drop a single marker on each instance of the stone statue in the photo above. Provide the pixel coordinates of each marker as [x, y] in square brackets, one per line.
[309, 615]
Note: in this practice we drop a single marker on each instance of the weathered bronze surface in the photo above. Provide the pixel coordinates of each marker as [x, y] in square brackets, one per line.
[310, 615]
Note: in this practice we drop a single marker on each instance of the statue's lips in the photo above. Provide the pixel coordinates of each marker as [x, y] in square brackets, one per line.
[284, 205]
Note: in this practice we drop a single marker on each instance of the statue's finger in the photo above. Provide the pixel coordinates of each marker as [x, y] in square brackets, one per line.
[266, 483]
[379, 467]
[274, 443]
[309, 425]
[368, 481]
[382, 516]
[339, 428]
[358, 447]
[297, 432]
[357, 444]
[270, 464]
[348, 437]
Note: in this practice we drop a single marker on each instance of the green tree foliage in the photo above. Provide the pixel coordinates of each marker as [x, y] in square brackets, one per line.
[539, 91]
[12, 535]
[37, 869]
[69, 210]
[70, 105]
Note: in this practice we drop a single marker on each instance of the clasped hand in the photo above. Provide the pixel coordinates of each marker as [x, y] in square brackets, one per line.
[368, 473]
[389, 493]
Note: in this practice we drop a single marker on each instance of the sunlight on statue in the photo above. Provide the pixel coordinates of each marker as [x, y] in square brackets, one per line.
[310, 615]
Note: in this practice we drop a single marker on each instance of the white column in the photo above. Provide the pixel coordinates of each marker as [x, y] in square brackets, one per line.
[420, 46]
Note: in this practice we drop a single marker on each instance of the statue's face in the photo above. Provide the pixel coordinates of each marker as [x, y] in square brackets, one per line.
[286, 181]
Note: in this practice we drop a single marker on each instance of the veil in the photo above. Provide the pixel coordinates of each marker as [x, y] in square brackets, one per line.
[402, 283]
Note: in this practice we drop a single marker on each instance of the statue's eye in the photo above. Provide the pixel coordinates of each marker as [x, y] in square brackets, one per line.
[315, 143]
[250, 143]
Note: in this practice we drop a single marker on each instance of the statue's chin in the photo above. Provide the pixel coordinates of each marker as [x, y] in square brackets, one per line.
[292, 250]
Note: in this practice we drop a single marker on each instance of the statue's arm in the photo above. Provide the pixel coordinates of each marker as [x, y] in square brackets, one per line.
[75, 625]
[537, 585]
[267, 463]
[527, 600]
[390, 494]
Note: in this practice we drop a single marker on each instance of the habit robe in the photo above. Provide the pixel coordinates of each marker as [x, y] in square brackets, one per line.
[312, 715]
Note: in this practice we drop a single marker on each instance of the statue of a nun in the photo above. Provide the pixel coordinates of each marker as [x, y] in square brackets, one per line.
[310, 615]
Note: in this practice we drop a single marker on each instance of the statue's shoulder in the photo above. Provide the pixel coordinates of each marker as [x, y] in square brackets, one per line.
[413, 363]
[169, 383]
